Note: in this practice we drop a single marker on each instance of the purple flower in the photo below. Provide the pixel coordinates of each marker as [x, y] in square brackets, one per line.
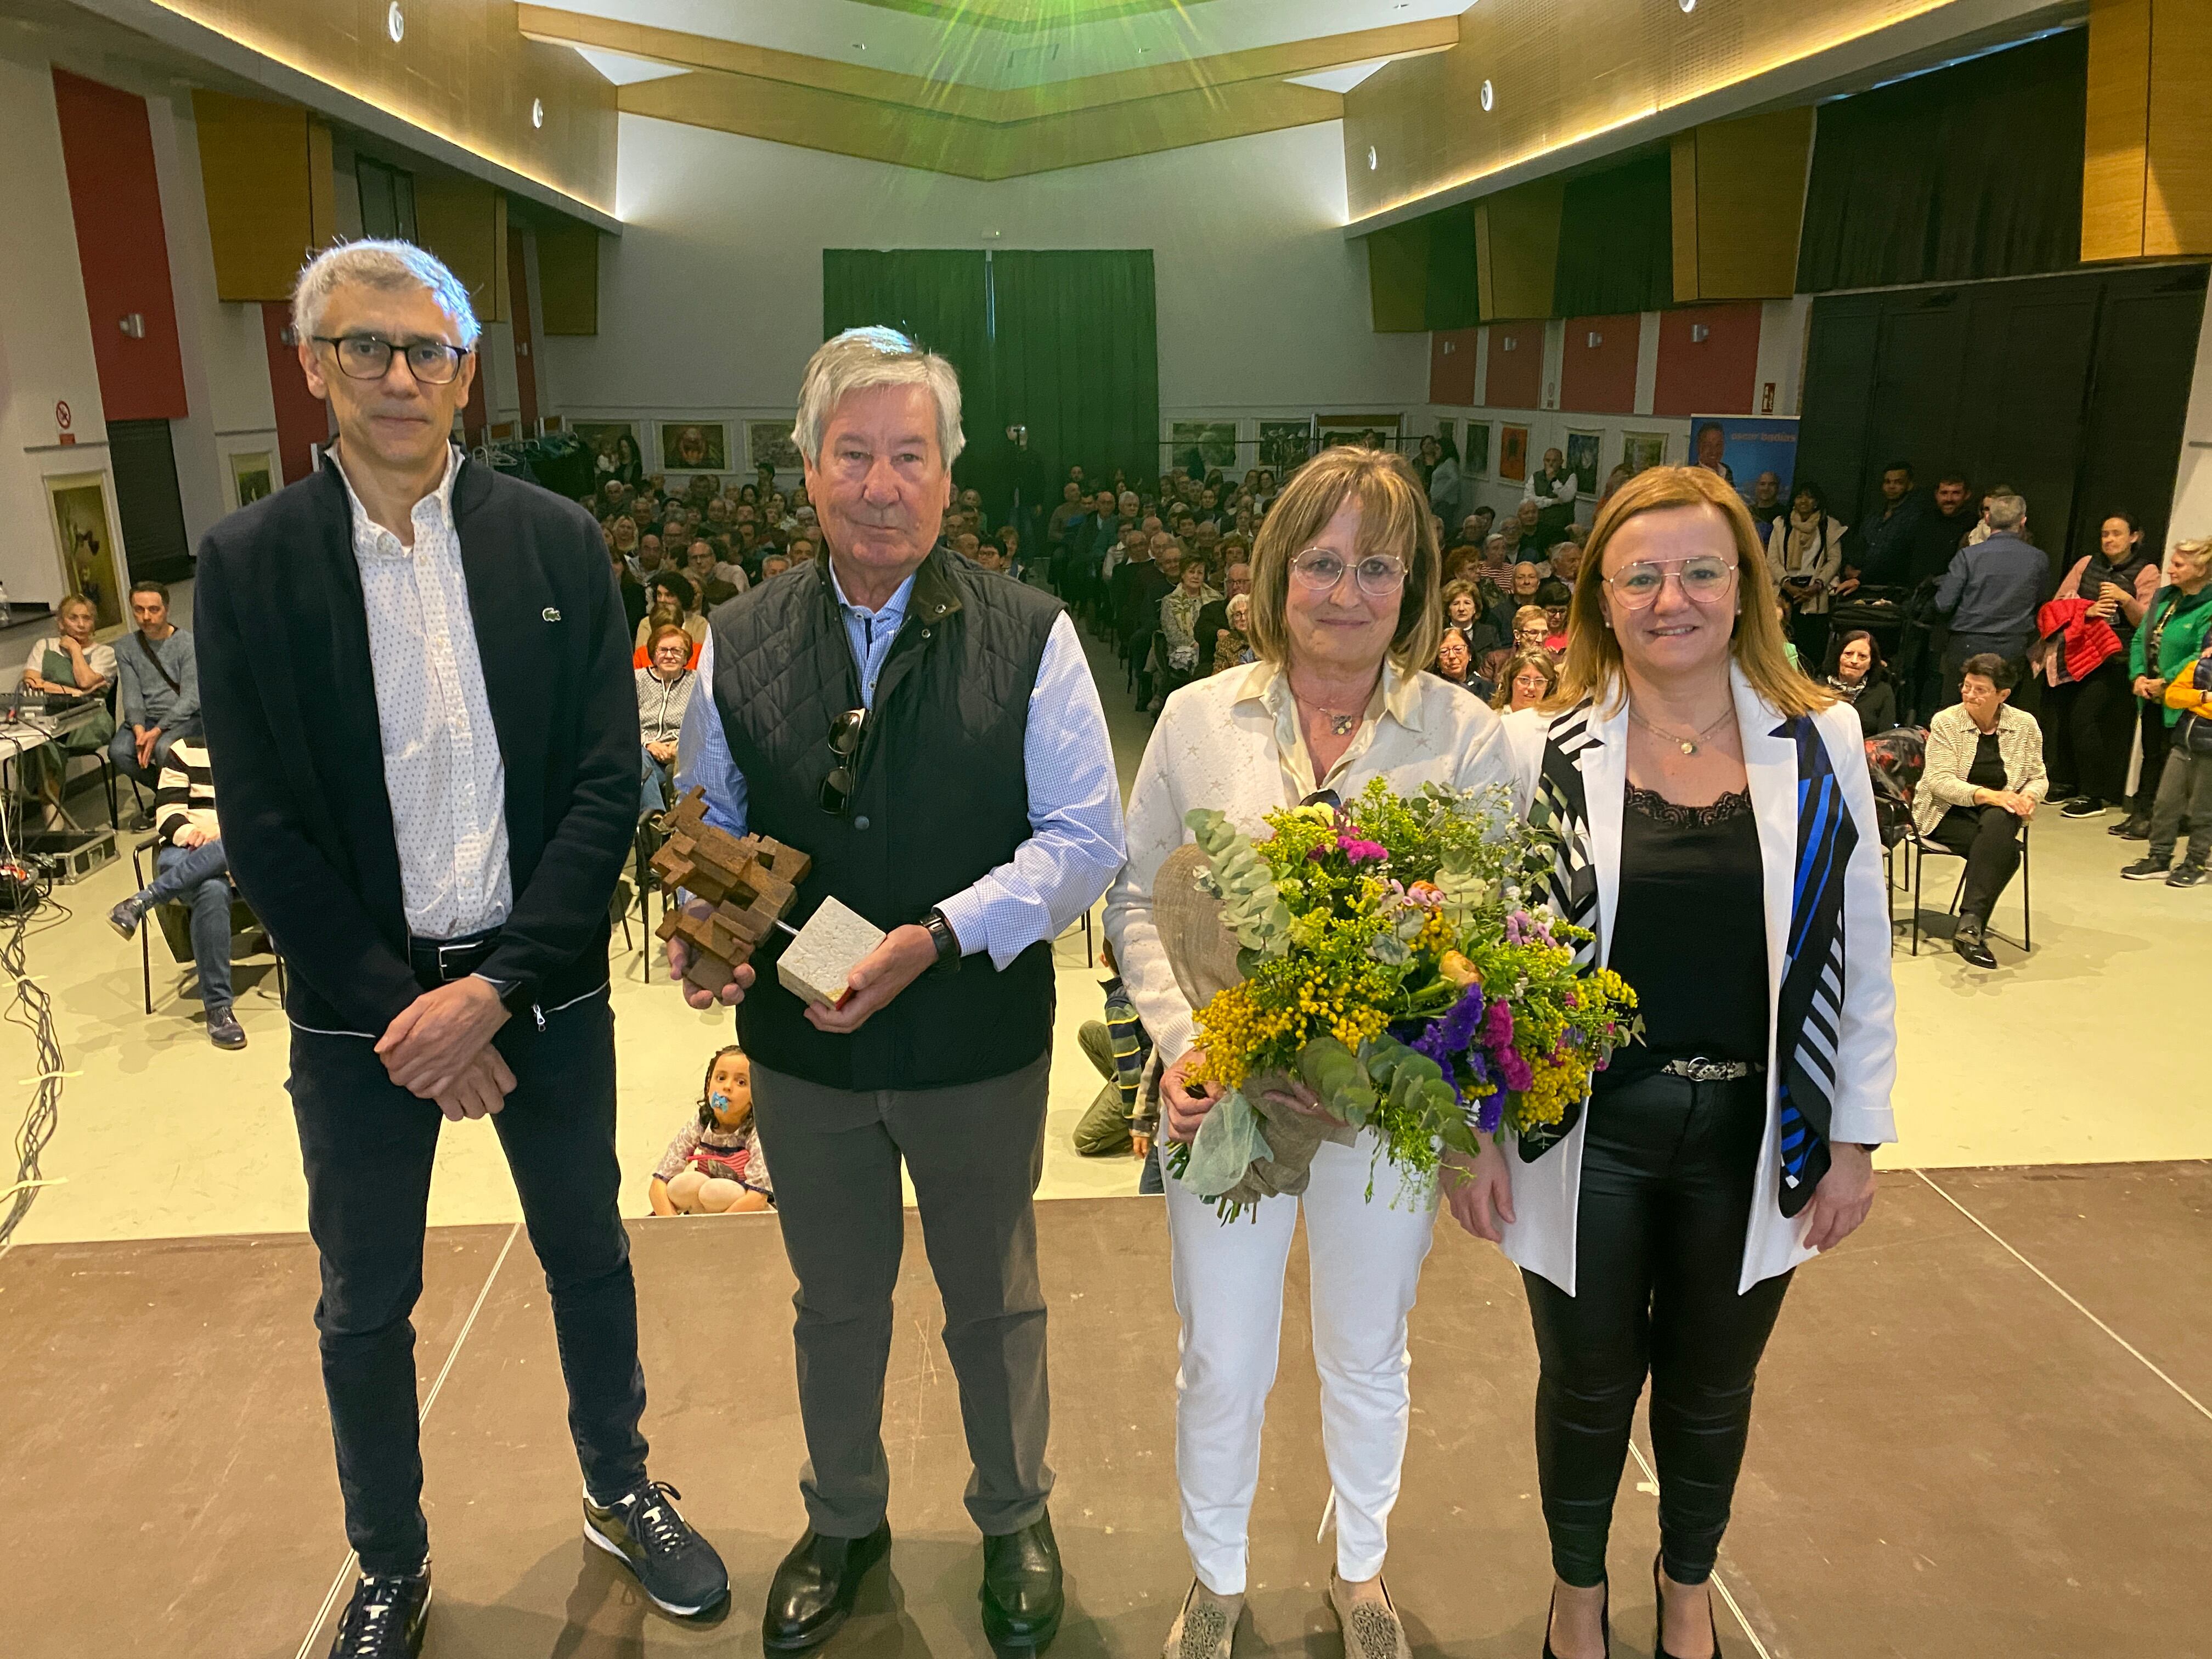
[1448, 1039]
[1490, 1114]
[1362, 851]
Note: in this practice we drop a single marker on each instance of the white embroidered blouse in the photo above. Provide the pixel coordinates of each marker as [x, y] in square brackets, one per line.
[1232, 742]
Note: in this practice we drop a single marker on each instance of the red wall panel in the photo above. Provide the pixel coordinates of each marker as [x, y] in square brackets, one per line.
[108, 150]
[1712, 376]
[1452, 364]
[301, 419]
[1515, 379]
[1600, 378]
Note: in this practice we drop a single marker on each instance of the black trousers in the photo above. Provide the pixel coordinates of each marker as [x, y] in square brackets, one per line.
[2150, 720]
[368, 1146]
[1666, 1197]
[2087, 726]
[1988, 837]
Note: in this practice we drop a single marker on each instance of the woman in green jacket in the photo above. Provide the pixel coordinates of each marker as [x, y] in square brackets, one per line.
[2172, 634]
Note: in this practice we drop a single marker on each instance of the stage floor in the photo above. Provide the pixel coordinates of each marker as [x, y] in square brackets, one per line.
[1993, 1394]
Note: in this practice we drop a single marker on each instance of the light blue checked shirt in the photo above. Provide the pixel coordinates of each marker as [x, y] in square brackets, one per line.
[1075, 845]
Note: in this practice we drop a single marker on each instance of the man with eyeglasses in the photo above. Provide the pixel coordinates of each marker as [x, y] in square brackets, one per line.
[423, 727]
[930, 736]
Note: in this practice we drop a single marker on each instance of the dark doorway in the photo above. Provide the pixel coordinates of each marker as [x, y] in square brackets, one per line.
[147, 502]
[2073, 389]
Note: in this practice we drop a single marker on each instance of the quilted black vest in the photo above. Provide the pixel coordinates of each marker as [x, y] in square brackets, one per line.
[941, 799]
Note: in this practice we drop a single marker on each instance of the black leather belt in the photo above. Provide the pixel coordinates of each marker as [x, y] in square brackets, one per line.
[439, 962]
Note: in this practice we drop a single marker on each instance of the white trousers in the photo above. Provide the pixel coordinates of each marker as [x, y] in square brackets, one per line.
[1365, 1261]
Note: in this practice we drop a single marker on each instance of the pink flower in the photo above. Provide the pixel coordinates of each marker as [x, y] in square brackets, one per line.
[1498, 1025]
[1362, 851]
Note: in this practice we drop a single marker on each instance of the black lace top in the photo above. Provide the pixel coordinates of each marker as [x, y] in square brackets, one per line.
[1689, 932]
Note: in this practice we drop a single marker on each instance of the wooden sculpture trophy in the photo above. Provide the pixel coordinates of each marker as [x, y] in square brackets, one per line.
[752, 883]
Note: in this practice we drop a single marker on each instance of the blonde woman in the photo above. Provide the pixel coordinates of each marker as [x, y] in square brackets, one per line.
[1527, 678]
[1344, 613]
[1717, 835]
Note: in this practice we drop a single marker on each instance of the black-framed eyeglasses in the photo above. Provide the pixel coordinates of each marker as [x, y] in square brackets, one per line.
[846, 731]
[368, 357]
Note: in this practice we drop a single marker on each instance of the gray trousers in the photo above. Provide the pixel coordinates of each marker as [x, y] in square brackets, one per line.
[2184, 792]
[976, 1154]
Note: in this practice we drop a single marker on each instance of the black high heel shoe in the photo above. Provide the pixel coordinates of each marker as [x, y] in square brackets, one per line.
[1659, 1629]
[1604, 1621]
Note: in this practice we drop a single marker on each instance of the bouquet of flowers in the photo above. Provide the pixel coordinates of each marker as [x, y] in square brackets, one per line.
[1399, 974]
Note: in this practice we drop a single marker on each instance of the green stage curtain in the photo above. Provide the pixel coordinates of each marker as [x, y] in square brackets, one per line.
[1617, 241]
[1077, 358]
[936, 297]
[1970, 172]
[1066, 343]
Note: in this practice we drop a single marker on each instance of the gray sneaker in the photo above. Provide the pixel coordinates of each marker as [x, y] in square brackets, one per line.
[125, 917]
[223, 1029]
[2188, 874]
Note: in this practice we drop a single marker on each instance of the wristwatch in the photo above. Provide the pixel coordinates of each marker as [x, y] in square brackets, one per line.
[947, 941]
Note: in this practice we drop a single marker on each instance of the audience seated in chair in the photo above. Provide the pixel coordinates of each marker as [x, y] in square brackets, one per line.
[1856, 675]
[158, 686]
[194, 871]
[1984, 778]
[664, 686]
[70, 662]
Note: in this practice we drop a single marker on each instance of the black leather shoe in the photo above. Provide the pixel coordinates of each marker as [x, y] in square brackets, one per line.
[1967, 941]
[813, 1590]
[1021, 1595]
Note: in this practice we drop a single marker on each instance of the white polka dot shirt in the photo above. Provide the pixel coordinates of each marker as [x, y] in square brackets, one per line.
[442, 769]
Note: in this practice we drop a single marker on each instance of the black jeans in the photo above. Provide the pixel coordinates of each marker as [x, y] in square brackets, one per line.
[368, 1146]
[2087, 726]
[2150, 719]
[1666, 1196]
[1989, 839]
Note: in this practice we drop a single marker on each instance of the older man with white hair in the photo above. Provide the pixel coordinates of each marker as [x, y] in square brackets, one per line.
[417, 694]
[930, 736]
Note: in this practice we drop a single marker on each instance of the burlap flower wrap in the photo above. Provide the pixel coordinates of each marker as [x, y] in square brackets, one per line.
[1240, 1156]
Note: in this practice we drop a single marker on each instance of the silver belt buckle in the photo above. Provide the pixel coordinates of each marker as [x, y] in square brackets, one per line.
[448, 973]
[1698, 1069]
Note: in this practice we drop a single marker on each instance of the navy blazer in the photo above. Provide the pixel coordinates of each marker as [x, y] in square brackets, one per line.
[289, 701]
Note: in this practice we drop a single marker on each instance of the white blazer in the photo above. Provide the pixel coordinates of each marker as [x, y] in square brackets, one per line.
[1546, 1193]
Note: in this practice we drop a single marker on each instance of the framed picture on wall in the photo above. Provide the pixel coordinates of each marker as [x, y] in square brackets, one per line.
[1581, 460]
[1377, 431]
[768, 443]
[1198, 446]
[1513, 452]
[1641, 451]
[694, 446]
[85, 540]
[252, 475]
[1284, 445]
[1474, 453]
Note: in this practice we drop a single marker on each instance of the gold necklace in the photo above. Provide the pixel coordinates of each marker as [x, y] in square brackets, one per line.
[1688, 745]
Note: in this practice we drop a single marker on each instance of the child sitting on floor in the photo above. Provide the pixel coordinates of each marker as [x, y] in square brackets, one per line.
[716, 1165]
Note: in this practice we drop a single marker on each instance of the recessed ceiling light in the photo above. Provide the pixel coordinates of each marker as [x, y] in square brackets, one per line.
[395, 22]
[1373, 160]
[1687, 6]
[537, 112]
[1488, 97]
[860, 45]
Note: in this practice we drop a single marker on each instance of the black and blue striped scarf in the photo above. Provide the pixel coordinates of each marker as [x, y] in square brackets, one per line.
[1809, 1015]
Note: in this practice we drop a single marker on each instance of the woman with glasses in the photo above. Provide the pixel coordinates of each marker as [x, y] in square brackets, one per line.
[1344, 616]
[1717, 836]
